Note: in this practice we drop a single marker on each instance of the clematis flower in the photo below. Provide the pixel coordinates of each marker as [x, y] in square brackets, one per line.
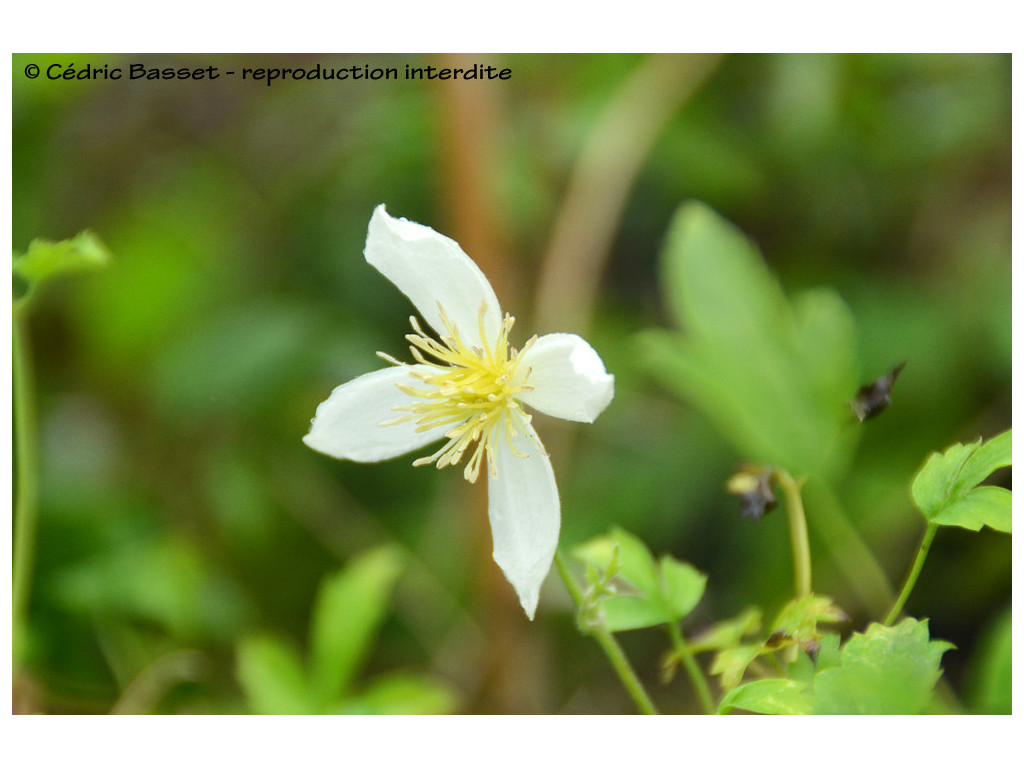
[467, 387]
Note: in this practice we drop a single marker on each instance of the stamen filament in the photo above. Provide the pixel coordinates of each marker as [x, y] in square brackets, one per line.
[467, 386]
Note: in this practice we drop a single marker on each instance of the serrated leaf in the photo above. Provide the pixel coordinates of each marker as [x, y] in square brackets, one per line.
[992, 455]
[272, 677]
[349, 609]
[775, 377]
[775, 696]
[651, 593]
[946, 489]
[984, 505]
[884, 671]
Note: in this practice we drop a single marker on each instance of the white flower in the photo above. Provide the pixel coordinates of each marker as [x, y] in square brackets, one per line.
[468, 389]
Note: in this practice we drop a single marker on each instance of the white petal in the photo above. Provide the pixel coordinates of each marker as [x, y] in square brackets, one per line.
[430, 268]
[525, 516]
[347, 424]
[569, 379]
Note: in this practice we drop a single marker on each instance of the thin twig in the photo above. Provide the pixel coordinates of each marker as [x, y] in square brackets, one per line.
[601, 180]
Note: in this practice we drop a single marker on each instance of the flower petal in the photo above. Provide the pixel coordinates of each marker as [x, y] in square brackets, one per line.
[347, 424]
[569, 379]
[525, 515]
[430, 268]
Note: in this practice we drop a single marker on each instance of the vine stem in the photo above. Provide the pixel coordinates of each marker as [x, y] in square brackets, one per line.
[915, 571]
[797, 532]
[610, 646]
[26, 506]
[692, 669]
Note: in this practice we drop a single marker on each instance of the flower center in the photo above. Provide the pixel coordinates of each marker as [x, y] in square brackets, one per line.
[472, 388]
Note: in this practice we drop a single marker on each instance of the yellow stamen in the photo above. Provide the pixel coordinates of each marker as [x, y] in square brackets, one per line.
[469, 388]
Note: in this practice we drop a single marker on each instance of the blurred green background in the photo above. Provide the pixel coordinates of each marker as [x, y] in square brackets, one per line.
[180, 511]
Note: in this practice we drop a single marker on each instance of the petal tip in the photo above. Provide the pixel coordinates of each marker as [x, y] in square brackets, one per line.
[529, 606]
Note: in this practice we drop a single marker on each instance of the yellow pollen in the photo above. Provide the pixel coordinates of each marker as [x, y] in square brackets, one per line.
[468, 388]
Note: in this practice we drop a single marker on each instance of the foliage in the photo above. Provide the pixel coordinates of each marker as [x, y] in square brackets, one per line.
[774, 375]
[947, 489]
[346, 617]
[884, 671]
[649, 593]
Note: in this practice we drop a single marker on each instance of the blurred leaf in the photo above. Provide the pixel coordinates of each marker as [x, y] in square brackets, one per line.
[349, 609]
[946, 492]
[727, 633]
[272, 677]
[731, 663]
[799, 618]
[234, 362]
[166, 580]
[775, 696]
[683, 586]
[884, 671]
[46, 260]
[661, 593]
[181, 249]
[403, 694]
[776, 377]
[991, 692]
[796, 624]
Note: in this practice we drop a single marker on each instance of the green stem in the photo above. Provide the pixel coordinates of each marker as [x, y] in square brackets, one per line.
[610, 646]
[797, 532]
[692, 668]
[915, 571]
[26, 460]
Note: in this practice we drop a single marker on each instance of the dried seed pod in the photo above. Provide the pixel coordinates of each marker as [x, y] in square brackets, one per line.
[873, 398]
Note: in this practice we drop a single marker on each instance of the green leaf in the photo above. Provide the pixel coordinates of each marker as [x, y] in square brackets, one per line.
[884, 671]
[349, 609]
[272, 677]
[731, 663]
[992, 455]
[652, 592]
[727, 633]
[682, 586]
[946, 489]
[985, 505]
[46, 260]
[403, 694]
[776, 377]
[804, 667]
[799, 618]
[797, 624]
[775, 696]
